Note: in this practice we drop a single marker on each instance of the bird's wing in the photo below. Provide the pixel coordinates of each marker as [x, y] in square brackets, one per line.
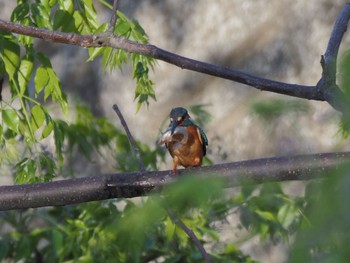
[203, 138]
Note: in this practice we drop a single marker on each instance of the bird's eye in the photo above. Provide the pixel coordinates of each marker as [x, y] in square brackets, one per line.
[179, 118]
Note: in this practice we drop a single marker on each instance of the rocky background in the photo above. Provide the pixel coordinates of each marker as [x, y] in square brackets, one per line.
[281, 40]
[277, 39]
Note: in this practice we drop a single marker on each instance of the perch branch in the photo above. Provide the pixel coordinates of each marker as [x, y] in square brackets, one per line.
[130, 137]
[127, 185]
[324, 90]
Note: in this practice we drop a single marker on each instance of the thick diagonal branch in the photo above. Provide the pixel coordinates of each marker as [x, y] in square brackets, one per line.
[126, 185]
[328, 82]
[110, 40]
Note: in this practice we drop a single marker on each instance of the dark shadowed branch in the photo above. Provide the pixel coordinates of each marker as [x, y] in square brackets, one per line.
[130, 137]
[328, 82]
[126, 185]
[325, 90]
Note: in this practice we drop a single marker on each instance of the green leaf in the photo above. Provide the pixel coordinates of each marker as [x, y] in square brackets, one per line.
[169, 228]
[61, 19]
[41, 15]
[107, 54]
[11, 149]
[48, 167]
[266, 215]
[20, 12]
[44, 60]
[89, 12]
[11, 119]
[95, 52]
[47, 130]
[274, 109]
[52, 84]
[47, 79]
[122, 27]
[79, 25]
[5, 248]
[9, 53]
[25, 171]
[38, 117]
[57, 241]
[25, 72]
[23, 248]
[287, 214]
[60, 128]
[41, 79]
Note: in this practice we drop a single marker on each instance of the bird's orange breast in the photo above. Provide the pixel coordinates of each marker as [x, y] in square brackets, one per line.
[188, 152]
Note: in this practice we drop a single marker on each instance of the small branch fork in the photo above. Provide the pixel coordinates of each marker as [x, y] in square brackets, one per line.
[325, 90]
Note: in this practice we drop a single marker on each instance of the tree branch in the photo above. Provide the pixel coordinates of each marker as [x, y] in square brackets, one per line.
[113, 20]
[126, 185]
[176, 220]
[130, 137]
[327, 83]
[325, 90]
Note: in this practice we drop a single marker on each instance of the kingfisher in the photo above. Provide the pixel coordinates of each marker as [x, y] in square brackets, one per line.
[186, 142]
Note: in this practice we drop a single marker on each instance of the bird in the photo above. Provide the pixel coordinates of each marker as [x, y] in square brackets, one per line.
[186, 142]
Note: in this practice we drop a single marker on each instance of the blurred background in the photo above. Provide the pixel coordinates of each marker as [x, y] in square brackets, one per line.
[278, 39]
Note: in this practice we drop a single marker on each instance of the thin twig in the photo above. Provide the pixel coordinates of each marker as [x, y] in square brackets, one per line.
[113, 20]
[2, 78]
[130, 137]
[177, 221]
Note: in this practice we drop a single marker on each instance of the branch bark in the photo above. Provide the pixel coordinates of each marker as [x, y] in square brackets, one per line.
[325, 90]
[126, 185]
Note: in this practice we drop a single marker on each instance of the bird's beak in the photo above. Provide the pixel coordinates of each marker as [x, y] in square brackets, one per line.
[173, 127]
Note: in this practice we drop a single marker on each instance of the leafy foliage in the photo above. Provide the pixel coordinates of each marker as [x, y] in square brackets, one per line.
[111, 58]
[324, 236]
[344, 127]
[274, 109]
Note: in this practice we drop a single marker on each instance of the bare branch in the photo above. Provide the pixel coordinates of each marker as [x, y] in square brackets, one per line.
[319, 92]
[176, 220]
[113, 20]
[130, 137]
[327, 84]
[126, 185]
